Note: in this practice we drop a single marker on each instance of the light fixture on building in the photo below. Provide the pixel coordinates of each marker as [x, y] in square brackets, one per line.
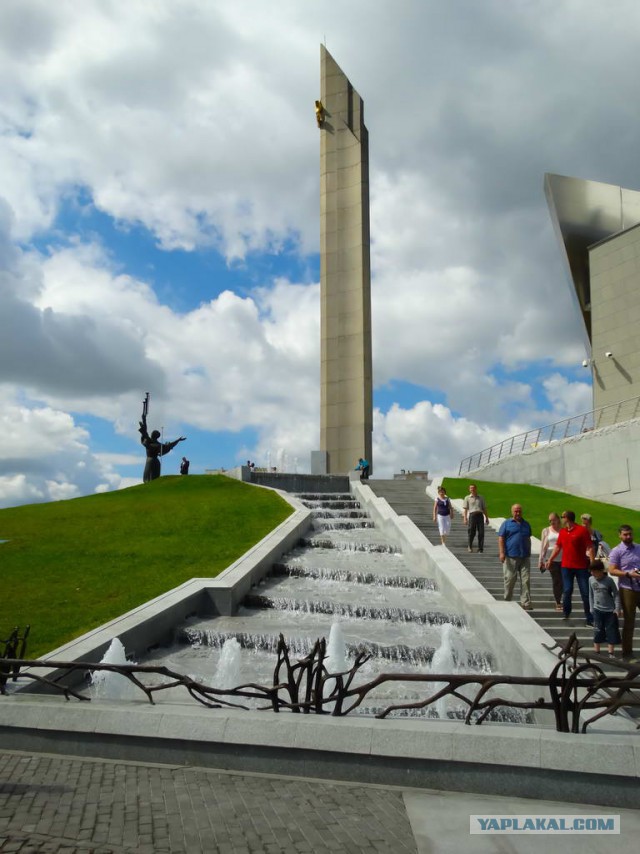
[609, 354]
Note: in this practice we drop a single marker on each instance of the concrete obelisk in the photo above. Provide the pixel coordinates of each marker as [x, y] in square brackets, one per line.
[346, 409]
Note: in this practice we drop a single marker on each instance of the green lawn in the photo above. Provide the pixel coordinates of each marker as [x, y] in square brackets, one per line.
[537, 503]
[70, 566]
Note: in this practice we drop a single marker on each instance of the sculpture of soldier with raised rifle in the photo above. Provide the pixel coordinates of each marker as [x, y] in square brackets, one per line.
[154, 447]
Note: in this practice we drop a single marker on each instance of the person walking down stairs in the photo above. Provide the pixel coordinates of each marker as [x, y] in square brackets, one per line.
[548, 540]
[514, 546]
[575, 544]
[474, 515]
[443, 513]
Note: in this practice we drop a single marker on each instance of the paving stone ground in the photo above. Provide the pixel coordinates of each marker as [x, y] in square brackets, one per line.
[62, 805]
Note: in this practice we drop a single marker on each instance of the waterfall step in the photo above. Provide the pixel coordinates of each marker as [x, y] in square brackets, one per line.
[353, 577]
[329, 504]
[303, 587]
[325, 542]
[340, 513]
[325, 497]
[355, 630]
[386, 563]
[338, 524]
[300, 646]
[254, 600]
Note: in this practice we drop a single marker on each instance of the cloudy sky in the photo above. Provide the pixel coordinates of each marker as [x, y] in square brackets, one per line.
[159, 223]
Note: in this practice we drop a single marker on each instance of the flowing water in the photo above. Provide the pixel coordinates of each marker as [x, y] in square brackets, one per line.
[346, 583]
[108, 685]
[229, 670]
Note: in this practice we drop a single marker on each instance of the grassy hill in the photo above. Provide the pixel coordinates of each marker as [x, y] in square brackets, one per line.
[70, 566]
[537, 503]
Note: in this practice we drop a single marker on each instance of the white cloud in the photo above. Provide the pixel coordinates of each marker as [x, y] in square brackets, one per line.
[429, 436]
[17, 489]
[61, 490]
[45, 455]
[233, 361]
[567, 398]
[197, 120]
[425, 437]
[435, 321]
[62, 348]
[112, 459]
[109, 82]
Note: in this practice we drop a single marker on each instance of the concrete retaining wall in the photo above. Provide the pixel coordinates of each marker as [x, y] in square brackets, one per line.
[602, 464]
[527, 762]
[290, 481]
[301, 482]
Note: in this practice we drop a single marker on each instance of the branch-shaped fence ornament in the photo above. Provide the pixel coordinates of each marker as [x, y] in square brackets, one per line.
[576, 685]
[12, 649]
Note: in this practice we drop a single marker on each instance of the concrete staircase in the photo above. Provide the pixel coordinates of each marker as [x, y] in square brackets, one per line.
[408, 498]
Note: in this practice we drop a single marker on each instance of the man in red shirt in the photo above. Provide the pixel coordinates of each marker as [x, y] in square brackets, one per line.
[577, 553]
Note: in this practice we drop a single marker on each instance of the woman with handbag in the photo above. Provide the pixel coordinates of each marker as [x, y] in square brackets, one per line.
[443, 512]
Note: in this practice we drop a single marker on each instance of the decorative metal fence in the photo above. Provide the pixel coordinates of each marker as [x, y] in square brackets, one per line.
[11, 649]
[605, 416]
[576, 685]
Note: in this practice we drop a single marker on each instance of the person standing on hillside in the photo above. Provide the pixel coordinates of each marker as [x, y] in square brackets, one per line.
[474, 515]
[443, 512]
[574, 541]
[514, 548]
[624, 562]
[364, 467]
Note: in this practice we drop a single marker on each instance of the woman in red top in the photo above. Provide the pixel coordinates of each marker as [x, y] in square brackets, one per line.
[577, 553]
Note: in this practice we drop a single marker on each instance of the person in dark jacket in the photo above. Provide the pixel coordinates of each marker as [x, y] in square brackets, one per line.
[364, 467]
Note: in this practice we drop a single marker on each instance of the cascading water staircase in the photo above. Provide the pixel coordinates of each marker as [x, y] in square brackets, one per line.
[343, 572]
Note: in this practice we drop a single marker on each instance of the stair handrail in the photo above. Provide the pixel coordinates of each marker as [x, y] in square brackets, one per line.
[585, 422]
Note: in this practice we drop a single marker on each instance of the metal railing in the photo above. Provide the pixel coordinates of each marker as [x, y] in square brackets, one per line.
[605, 416]
[576, 684]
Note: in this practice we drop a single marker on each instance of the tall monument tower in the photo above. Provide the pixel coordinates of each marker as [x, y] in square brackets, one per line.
[346, 408]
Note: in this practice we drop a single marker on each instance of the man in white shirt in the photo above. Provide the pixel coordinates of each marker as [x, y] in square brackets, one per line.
[474, 515]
